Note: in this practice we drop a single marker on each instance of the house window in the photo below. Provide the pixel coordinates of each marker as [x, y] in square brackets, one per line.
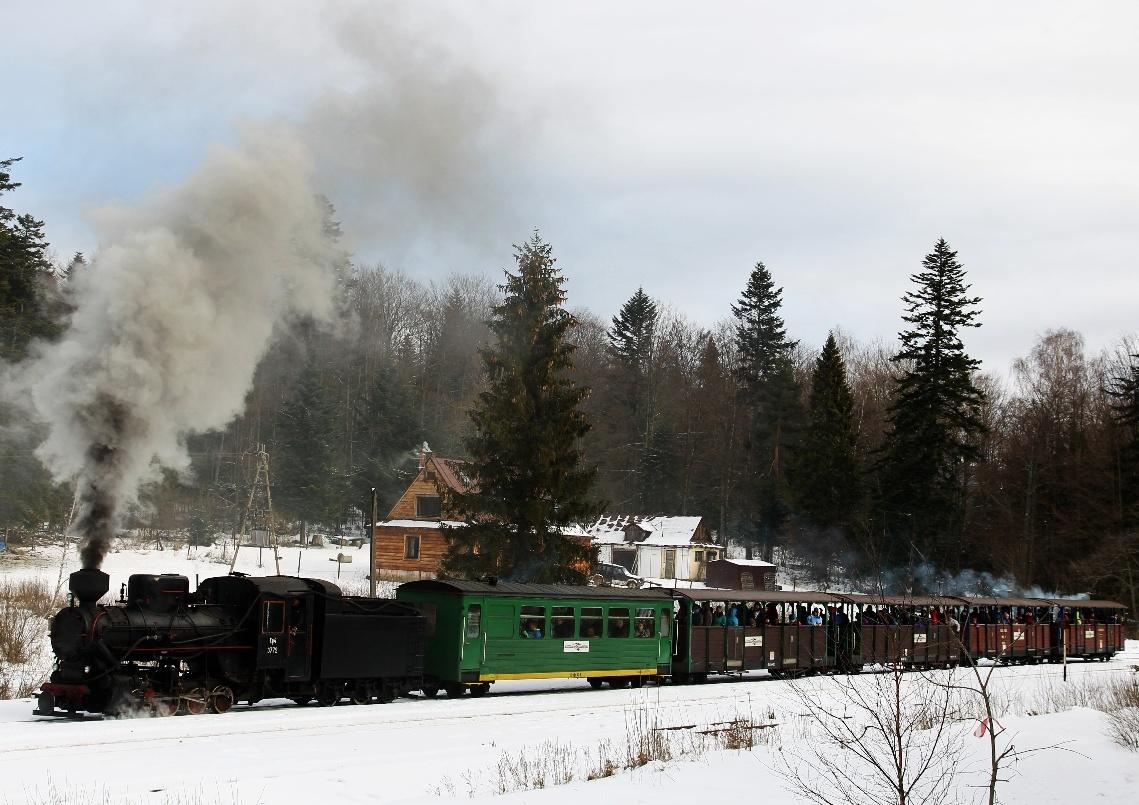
[428, 506]
[411, 546]
[699, 556]
[429, 475]
[712, 556]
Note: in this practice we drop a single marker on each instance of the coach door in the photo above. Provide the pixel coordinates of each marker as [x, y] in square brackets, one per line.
[298, 645]
[272, 642]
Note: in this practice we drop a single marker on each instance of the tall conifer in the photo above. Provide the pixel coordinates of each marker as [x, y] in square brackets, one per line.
[828, 479]
[525, 460]
[771, 396]
[631, 347]
[935, 418]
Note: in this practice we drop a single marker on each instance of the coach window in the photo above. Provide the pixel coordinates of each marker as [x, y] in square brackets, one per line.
[532, 622]
[590, 622]
[665, 628]
[427, 506]
[618, 623]
[561, 622]
[274, 617]
[646, 623]
[411, 546]
[474, 621]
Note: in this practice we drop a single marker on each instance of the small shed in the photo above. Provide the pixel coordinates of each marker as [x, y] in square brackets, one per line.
[741, 574]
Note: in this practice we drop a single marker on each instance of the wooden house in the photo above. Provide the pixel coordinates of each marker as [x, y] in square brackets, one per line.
[409, 543]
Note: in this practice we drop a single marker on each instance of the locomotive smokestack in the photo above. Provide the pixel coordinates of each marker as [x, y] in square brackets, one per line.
[89, 585]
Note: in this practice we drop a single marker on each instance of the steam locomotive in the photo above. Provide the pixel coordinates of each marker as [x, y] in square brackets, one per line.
[162, 649]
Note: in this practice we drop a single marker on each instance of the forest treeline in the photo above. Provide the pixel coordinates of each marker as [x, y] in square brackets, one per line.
[853, 454]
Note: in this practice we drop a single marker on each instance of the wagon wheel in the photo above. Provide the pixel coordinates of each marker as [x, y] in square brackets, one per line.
[430, 691]
[637, 682]
[196, 701]
[328, 696]
[387, 694]
[361, 695]
[480, 690]
[454, 690]
[222, 699]
[302, 700]
[618, 682]
[595, 682]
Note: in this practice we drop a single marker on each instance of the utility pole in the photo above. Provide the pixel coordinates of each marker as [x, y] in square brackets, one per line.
[372, 546]
[256, 520]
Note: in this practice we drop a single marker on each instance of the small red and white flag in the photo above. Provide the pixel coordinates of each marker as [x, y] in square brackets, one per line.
[988, 725]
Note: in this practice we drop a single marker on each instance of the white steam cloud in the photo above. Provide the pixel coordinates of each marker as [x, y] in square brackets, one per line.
[177, 308]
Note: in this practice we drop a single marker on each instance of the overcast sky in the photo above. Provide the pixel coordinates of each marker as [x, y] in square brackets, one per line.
[669, 145]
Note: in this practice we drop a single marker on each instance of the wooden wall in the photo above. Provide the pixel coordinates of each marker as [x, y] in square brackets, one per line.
[390, 550]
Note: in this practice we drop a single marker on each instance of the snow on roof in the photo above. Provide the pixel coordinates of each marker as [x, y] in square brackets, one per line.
[750, 562]
[670, 530]
[661, 529]
[419, 523]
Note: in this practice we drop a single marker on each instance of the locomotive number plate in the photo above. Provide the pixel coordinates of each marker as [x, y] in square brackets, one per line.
[575, 646]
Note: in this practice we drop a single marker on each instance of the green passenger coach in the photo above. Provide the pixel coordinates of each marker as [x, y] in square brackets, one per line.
[481, 632]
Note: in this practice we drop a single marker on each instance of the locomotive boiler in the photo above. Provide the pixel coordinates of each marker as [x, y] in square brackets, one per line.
[162, 649]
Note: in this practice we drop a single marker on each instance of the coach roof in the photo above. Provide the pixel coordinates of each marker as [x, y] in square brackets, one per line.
[510, 588]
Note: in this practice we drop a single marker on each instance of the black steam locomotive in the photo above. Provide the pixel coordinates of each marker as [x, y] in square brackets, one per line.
[161, 649]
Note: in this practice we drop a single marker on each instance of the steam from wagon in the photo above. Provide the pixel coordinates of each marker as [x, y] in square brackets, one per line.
[177, 308]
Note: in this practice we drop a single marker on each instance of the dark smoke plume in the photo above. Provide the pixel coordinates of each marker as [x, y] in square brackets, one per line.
[173, 315]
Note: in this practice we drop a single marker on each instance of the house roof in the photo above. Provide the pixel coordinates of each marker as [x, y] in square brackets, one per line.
[670, 530]
[451, 472]
[659, 529]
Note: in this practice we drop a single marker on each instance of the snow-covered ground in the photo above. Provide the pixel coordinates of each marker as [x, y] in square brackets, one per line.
[422, 751]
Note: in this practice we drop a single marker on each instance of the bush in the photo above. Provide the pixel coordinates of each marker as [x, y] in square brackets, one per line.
[25, 607]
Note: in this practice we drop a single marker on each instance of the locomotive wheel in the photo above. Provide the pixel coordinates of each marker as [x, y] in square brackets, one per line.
[221, 699]
[361, 695]
[163, 706]
[455, 690]
[195, 702]
[329, 696]
[594, 682]
[430, 691]
[46, 702]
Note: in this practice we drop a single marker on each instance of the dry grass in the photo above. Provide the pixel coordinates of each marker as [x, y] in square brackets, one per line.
[646, 741]
[25, 607]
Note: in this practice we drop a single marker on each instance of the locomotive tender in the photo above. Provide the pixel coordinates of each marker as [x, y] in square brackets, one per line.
[162, 649]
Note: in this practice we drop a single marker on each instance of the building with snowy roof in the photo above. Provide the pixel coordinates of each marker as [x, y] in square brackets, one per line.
[656, 546]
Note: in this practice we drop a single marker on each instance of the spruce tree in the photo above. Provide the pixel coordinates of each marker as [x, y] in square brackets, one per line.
[1124, 394]
[525, 461]
[771, 397]
[827, 476]
[305, 481]
[631, 347]
[24, 271]
[935, 419]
